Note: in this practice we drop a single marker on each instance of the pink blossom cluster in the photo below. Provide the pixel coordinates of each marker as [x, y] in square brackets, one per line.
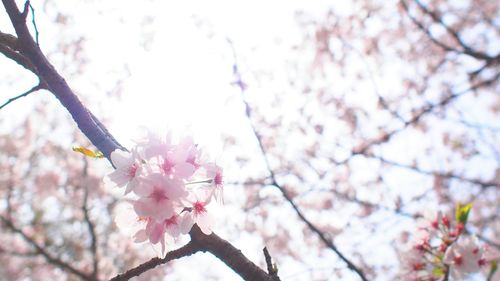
[171, 185]
[442, 252]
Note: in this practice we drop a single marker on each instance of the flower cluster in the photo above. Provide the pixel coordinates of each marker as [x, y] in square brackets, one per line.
[171, 185]
[443, 250]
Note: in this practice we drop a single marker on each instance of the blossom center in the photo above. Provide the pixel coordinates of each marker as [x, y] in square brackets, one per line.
[199, 207]
[167, 166]
[158, 195]
[132, 170]
[171, 221]
[218, 179]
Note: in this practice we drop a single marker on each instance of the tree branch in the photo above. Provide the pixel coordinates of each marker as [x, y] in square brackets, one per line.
[274, 182]
[105, 142]
[9, 48]
[421, 113]
[186, 250]
[213, 244]
[93, 236]
[271, 268]
[42, 251]
[465, 49]
[230, 255]
[97, 134]
[32, 90]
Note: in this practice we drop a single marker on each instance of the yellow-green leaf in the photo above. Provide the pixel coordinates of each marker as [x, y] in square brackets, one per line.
[462, 213]
[88, 152]
[493, 269]
[438, 272]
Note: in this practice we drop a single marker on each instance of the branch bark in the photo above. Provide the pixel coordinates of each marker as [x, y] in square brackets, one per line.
[90, 125]
[85, 120]
[43, 252]
[213, 244]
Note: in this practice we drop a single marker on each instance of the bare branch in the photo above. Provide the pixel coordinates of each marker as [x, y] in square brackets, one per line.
[448, 175]
[42, 251]
[213, 244]
[32, 90]
[97, 134]
[284, 192]
[231, 256]
[466, 48]
[186, 250]
[421, 113]
[9, 47]
[271, 268]
[93, 236]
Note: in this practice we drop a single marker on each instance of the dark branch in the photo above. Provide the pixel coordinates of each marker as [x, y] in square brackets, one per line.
[93, 236]
[105, 142]
[213, 244]
[9, 48]
[34, 23]
[421, 113]
[186, 250]
[231, 256]
[463, 49]
[271, 268]
[466, 49]
[32, 90]
[58, 86]
[283, 191]
[447, 175]
[42, 251]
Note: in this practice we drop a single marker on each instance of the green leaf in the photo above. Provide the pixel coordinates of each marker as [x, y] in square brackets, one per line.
[462, 213]
[493, 269]
[438, 272]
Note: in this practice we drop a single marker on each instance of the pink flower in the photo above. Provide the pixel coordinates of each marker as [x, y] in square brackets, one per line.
[465, 256]
[214, 173]
[158, 195]
[158, 172]
[129, 223]
[173, 226]
[198, 214]
[174, 164]
[128, 169]
[154, 145]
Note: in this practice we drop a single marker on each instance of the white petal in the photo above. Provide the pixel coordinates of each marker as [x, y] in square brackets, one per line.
[186, 223]
[140, 236]
[121, 158]
[205, 222]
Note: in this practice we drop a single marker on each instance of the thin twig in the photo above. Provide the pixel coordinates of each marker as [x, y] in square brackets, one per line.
[271, 267]
[42, 251]
[32, 90]
[421, 113]
[34, 24]
[466, 49]
[91, 227]
[283, 191]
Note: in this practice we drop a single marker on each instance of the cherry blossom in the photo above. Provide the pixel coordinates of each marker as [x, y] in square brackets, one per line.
[172, 188]
[158, 196]
[198, 214]
[442, 249]
[214, 173]
[465, 256]
[128, 169]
